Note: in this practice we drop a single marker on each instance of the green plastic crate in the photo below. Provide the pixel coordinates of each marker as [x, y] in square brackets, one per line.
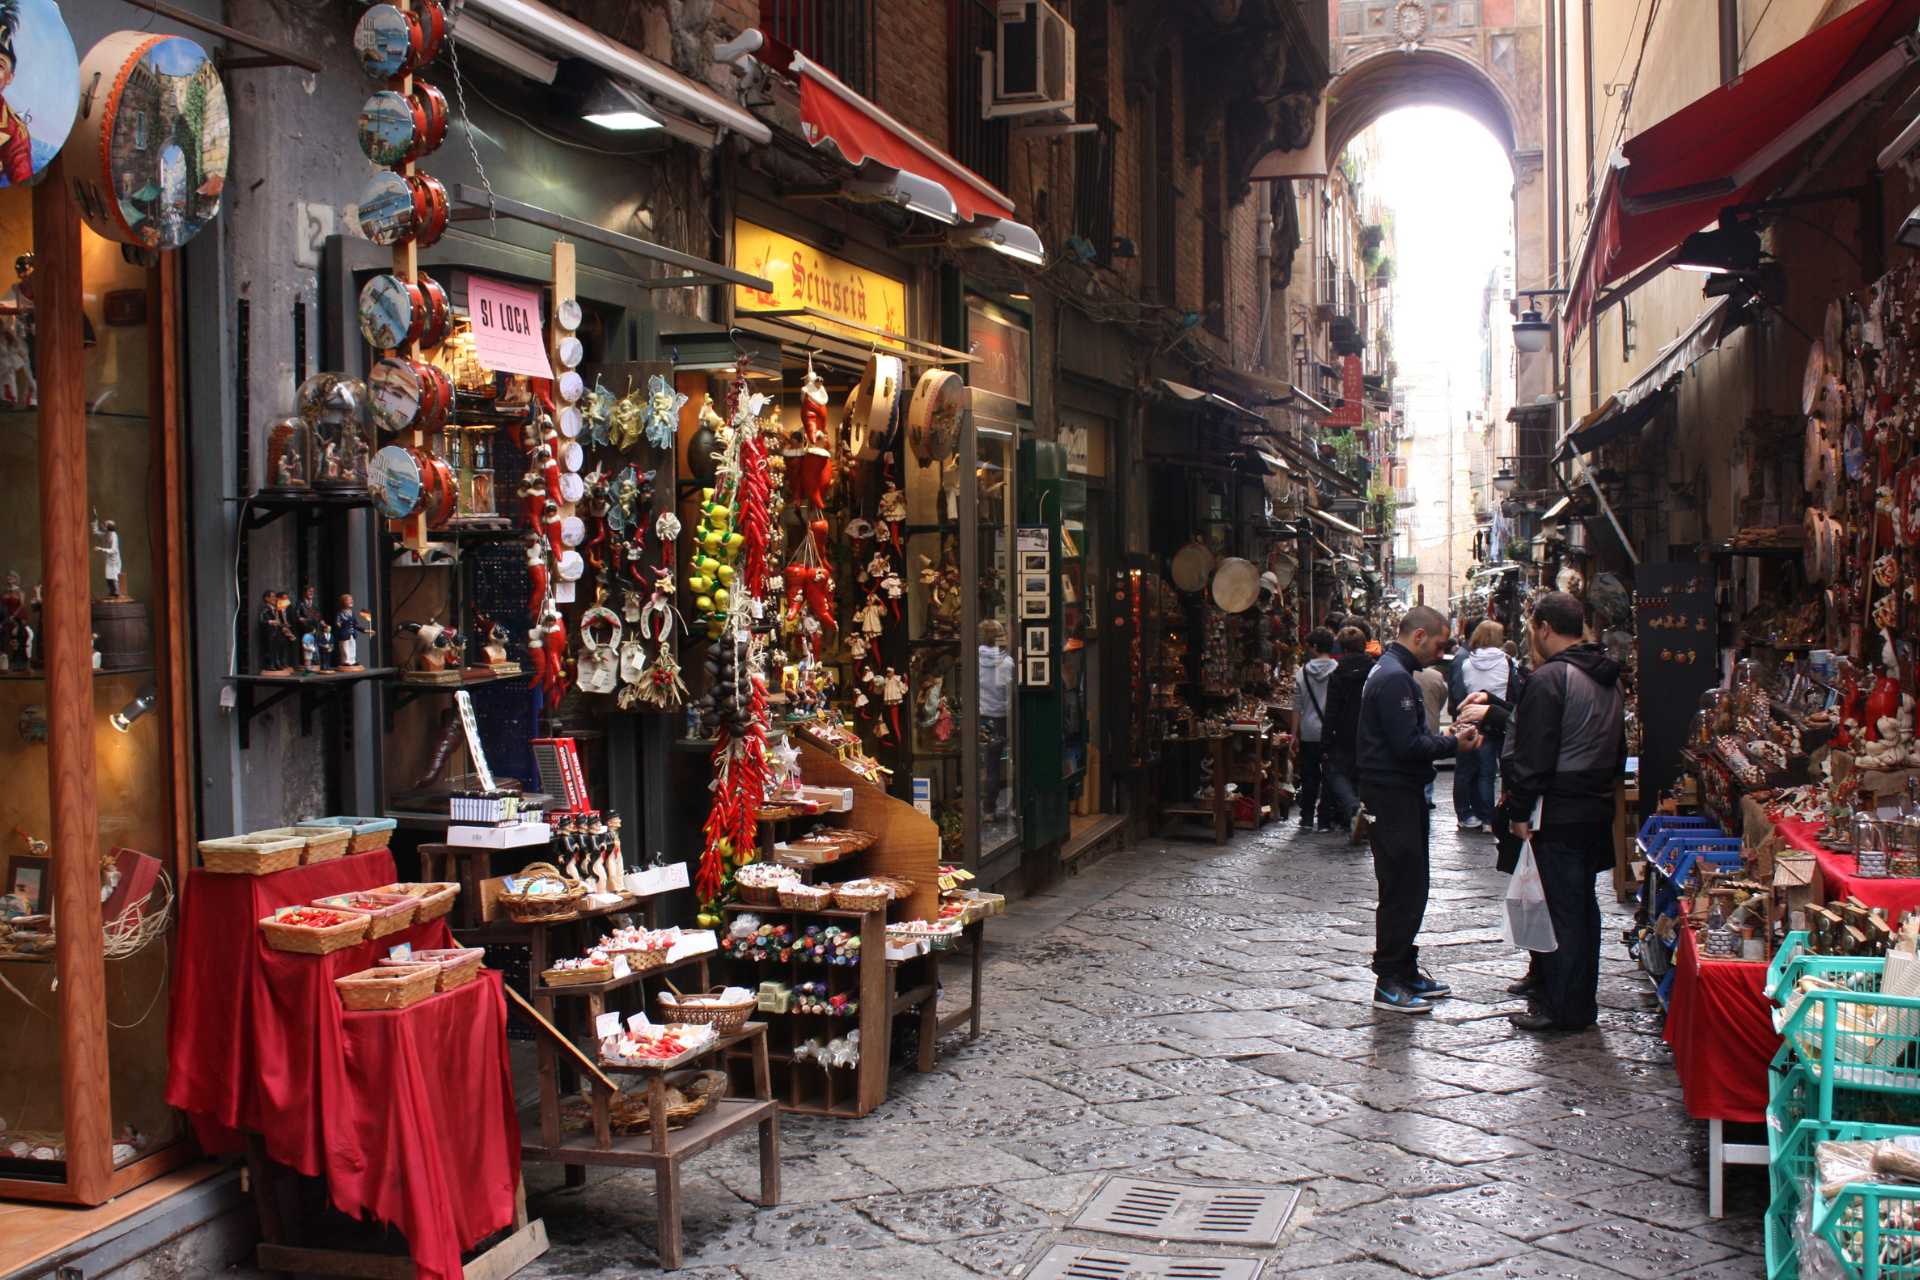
[1783, 1255]
[1827, 1034]
[1784, 967]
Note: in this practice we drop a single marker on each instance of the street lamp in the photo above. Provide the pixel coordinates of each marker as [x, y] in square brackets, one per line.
[1531, 331]
[1506, 482]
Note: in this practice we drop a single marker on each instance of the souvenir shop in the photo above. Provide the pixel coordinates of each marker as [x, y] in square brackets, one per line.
[649, 650]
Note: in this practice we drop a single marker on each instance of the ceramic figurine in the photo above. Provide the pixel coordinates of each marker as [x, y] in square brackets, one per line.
[116, 570]
[316, 634]
[347, 625]
[273, 656]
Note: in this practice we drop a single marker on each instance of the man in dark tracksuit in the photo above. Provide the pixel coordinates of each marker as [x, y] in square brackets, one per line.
[1396, 765]
[1340, 736]
[1566, 748]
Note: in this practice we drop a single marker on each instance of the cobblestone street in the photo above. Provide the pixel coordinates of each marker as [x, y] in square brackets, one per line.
[1194, 1013]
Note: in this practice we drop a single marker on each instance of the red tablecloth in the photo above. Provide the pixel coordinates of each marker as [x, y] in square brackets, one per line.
[408, 1114]
[1720, 1025]
[1897, 895]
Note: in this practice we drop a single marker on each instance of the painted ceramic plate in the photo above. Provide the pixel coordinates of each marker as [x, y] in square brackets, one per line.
[571, 420]
[572, 487]
[394, 480]
[571, 351]
[568, 313]
[150, 158]
[571, 455]
[396, 393]
[389, 127]
[385, 42]
[43, 93]
[386, 312]
[570, 566]
[386, 209]
[573, 531]
[571, 386]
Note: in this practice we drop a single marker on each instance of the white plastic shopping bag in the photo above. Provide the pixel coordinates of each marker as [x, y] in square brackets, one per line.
[1528, 923]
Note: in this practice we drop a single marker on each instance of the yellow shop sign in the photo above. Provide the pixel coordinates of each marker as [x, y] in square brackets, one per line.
[804, 277]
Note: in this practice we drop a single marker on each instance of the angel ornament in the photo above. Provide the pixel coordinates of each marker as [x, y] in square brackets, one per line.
[663, 412]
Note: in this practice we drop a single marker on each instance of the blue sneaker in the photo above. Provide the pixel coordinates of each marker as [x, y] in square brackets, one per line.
[1400, 998]
[1426, 985]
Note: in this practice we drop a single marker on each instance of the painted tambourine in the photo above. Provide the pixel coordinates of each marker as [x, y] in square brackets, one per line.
[571, 420]
[1191, 566]
[1814, 375]
[871, 408]
[397, 208]
[391, 43]
[933, 421]
[573, 531]
[571, 386]
[1236, 584]
[572, 487]
[394, 314]
[43, 102]
[570, 566]
[149, 158]
[409, 395]
[570, 350]
[442, 497]
[395, 480]
[396, 129]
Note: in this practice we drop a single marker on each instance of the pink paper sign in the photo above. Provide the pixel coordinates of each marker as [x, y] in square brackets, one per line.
[508, 336]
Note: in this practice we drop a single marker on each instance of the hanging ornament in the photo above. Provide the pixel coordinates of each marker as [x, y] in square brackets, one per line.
[663, 412]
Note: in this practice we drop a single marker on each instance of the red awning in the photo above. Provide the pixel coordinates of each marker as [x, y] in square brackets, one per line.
[1730, 146]
[862, 131]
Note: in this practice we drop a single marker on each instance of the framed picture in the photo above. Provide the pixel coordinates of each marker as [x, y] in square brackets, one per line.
[1035, 607]
[1034, 584]
[30, 879]
[1033, 562]
[1038, 671]
[1032, 537]
[1038, 642]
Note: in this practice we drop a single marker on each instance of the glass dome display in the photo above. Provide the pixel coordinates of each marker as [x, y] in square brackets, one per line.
[289, 454]
[334, 406]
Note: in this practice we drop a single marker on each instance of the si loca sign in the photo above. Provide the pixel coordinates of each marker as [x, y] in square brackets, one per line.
[508, 333]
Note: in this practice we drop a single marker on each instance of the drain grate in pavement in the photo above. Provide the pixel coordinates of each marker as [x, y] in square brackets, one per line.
[1184, 1211]
[1070, 1262]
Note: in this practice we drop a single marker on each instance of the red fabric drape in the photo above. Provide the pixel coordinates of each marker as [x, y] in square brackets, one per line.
[1713, 136]
[408, 1114]
[1720, 1025]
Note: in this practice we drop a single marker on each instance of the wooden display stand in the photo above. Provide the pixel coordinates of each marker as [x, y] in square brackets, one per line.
[661, 1149]
[1218, 811]
[1260, 769]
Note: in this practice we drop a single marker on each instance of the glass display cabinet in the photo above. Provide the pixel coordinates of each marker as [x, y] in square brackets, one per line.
[92, 687]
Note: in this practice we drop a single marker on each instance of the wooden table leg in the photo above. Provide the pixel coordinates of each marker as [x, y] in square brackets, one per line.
[1222, 802]
[657, 1109]
[930, 1014]
[770, 1159]
[666, 1184]
[762, 1072]
[979, 931]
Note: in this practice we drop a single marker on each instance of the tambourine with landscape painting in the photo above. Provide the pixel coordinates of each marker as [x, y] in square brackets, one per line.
[391, 42]
[397, 129]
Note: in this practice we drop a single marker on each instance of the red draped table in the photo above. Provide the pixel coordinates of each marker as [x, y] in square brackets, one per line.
[1720, 1025]
[408, 1114]
[1897, 894]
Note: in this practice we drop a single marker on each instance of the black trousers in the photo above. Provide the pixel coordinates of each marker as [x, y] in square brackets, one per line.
[1312, 756]
[1570, 974]
[1398, 835]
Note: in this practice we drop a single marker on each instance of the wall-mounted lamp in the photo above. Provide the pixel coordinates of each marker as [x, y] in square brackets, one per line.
[1506, 482]
[1731, 247]
[143, 701]
[1909, 234]
[612, 106]
[1531, 331]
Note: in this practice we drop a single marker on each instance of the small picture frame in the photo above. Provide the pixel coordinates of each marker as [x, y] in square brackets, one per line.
[30, 879]
[1035, 607]
[1038, 642]
[1035, 584]
[1031, 537]
[1034, 562]
[1038, 671]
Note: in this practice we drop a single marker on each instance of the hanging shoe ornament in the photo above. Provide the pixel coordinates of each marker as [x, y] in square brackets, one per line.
[663, 412]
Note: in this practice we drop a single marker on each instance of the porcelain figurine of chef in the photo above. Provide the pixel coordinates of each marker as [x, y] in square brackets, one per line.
[116, 569]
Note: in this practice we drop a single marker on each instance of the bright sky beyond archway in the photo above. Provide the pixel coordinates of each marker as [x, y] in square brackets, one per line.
[1450, 187]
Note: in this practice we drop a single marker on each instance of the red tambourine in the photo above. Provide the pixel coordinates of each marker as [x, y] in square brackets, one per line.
[429, 209]
[392, 312]
[433, 31]
[430, 109]
[442, 398]
[439, 317]
[442, 490]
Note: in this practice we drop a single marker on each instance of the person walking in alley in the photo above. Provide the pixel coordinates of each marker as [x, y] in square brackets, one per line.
[1482, 668]
[1340, 732]
[1309, 746]
[1396, 755]
[1566, 749]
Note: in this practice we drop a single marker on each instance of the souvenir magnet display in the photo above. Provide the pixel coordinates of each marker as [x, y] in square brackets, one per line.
[150, 157]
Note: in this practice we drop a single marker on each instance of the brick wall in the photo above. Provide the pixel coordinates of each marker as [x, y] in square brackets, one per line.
[910, 64]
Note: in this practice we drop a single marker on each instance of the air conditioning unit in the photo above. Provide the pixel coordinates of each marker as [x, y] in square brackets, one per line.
[1030, 70]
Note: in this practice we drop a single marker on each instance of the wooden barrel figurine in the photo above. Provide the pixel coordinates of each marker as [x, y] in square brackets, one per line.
[123, 633]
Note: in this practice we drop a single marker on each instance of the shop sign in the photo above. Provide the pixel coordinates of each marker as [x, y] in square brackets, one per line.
[1085, 438]
[1353, 391]
[804, 277]
[39, 87]
[1006, 355]
[508, 336]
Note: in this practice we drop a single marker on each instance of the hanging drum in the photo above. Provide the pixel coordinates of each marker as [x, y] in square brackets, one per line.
[1191, 566]
[1814, 375]
[870, 409]
[150, 157]
[933, 421]
[1236, 584]
[394, 479]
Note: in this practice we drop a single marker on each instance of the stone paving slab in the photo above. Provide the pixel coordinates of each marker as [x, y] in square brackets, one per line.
[1194, 1013]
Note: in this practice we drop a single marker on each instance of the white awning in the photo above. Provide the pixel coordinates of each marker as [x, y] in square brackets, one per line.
[1328, 518]
[1194, 395]
[1700, 337]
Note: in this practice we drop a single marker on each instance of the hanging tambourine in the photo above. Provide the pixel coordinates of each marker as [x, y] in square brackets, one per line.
[933, 421]
[442, 498]
[1815, 374]
[150, 157]
[394, 479]
[598, 667]
[37, 112]
[1191, 566]
[1814, 457]
[409, 395]
[570, 421]
[870, 408]
[396, 129]
[391, 42]
[1236, 584]
[573, 531]
[570, 566]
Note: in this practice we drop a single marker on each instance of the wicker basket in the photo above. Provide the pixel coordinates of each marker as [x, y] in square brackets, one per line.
[251, 855]
[386, 912]
[725, 1019]
[435, 897]
[641, 960]
[806, 897]
[311, 941]
[575, 977]
[458, 965]
[759, 895]
[533, 908]
[365, 833]
[876, 900]
[629, 1112]
[392, 987]
[323, 844]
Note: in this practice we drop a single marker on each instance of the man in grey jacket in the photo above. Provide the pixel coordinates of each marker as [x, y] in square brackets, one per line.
[1565, 751]
[1309, 744]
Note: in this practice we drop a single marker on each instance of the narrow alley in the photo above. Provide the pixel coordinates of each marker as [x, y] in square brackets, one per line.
[1192, 1013]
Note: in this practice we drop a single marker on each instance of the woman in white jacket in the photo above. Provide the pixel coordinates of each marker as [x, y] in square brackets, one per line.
[1490, 671]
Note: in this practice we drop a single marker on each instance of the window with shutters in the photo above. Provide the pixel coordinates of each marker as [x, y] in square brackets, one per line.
[837, 34]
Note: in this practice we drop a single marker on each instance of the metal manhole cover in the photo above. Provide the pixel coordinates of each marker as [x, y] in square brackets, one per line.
[1185, 1211]
[1070, 1262]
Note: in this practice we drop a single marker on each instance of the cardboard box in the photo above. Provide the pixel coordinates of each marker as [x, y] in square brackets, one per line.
[514, 835]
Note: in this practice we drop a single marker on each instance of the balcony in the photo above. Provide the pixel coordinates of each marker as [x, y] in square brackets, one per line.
[1405, 566]
[1403, 497]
